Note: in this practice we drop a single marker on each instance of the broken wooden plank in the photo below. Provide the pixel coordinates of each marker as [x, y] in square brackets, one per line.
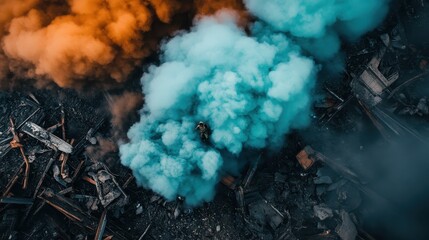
[16, 200]
[48, 166]
[13, 180]
[46, 137]
[101, 226]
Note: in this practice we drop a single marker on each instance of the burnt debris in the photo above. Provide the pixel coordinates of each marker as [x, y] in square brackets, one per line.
[328, 182]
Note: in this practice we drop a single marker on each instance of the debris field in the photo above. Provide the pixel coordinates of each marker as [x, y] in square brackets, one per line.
[55, 183]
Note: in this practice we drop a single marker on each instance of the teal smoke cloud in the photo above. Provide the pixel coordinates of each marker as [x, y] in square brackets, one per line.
[250, 88]
[319, 24]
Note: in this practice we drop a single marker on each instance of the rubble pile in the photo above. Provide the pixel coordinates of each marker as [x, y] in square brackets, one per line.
[51, 168]
[320, 186]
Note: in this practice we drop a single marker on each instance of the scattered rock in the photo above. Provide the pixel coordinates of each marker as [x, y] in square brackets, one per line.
[347, 229]
[322, 211]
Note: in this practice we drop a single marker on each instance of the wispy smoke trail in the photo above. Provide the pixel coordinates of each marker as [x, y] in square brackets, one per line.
[83, 42]
[123, 109]
[251, 90]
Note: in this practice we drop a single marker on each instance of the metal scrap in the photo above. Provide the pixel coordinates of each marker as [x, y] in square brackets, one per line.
[371, 84]
[107, 188]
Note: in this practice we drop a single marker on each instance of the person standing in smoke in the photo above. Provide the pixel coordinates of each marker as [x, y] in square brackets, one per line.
[204, 131]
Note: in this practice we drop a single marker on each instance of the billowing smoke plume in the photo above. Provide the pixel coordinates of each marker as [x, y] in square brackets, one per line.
[320, 24]
[250, 90]
[82, 42]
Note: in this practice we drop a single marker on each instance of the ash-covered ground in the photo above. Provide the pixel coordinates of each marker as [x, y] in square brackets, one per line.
[358, 172]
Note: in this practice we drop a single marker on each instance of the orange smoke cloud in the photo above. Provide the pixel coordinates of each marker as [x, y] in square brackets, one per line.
[12, 9]
[83, 42]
